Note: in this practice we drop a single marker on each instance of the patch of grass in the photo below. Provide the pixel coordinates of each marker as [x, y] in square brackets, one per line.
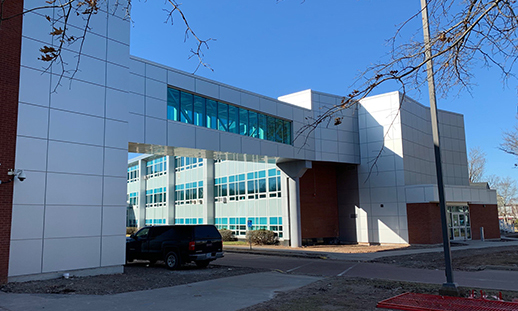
[235, 243]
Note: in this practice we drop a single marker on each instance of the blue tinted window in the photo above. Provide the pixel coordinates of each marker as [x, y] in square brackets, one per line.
[251, 186]
[279, 127]
[199, 111]
[222, 117]
[287, 133]
[212, 113]
[271, 125]
[173, 104]
[233, 119]
[243, 122]
[186, 107]
[261, 126]
[272, 181]
[252, 124]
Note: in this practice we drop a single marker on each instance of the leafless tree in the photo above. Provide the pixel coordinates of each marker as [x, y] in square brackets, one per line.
[510, 144]
[464, 35]
[476, 164]
[79, 13]
[507, 194]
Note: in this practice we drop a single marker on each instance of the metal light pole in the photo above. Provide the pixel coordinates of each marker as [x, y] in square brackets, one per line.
[448, 288]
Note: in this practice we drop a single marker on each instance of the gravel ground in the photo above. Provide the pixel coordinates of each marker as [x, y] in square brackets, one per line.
[137, 276]
[505, 257]
[339, 293]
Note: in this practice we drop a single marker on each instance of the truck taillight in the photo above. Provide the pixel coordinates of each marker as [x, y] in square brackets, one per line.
[192, 246]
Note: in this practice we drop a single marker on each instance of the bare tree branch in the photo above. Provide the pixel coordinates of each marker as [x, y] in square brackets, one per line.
[197, 52]
[476, 164]
[82, 11]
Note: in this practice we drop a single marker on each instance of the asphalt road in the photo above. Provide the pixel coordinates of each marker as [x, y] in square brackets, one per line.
[293, 265]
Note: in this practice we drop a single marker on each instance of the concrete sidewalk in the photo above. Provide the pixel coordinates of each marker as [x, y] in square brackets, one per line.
[310, 253]
[230, 293]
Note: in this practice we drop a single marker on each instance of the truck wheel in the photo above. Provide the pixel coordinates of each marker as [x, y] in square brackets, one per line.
[202, 263]
[172, 261]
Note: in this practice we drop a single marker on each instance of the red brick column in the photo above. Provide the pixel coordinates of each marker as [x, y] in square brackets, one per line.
[484, 215]
[424, 223]
[319, 202]
[10, 50]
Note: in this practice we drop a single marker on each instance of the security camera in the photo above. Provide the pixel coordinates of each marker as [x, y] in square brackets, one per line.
[21, 175]
[18, 173]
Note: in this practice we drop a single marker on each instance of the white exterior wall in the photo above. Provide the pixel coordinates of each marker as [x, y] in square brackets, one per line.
[418, 145]
[70, 212]
[334, 143]
[381, 214]
[404, 172]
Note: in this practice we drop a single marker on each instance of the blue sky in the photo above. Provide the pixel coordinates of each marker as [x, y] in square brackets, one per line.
[279, 47]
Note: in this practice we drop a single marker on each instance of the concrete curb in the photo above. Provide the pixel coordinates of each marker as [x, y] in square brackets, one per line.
[311, 255]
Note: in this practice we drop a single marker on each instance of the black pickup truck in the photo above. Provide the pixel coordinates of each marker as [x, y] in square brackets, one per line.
[176, 245]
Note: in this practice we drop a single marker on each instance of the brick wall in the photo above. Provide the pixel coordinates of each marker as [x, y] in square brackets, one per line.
[484, 216]
[424, 223]
[319, 202]
[10, 48]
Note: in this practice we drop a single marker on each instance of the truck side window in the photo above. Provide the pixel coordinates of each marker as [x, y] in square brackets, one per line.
[142, 234]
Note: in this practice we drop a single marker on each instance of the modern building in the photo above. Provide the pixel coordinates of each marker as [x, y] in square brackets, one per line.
[174, 190]
[369, 180]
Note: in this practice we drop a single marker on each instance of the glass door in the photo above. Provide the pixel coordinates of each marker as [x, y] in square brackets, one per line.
[459, 223]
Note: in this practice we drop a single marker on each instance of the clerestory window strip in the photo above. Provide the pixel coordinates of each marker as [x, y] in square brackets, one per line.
[198, 110]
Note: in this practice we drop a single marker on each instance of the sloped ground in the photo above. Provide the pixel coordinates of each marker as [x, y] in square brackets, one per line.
[505, 257]
[339, 293]
[137, 276]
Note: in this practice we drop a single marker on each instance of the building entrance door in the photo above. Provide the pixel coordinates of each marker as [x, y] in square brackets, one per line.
[459, 223]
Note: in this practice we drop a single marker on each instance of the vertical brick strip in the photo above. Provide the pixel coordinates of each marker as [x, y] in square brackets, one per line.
[10, 50]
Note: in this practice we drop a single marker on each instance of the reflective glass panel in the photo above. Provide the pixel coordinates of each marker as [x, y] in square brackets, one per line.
[173, 104]
[270, 133]
[233, 119]
[279, 127]
[252, 124]
[261, 126]
[186, 107]
[243, 121]
[199, 111]
[212, 113]
[222, 117]
[286, 138]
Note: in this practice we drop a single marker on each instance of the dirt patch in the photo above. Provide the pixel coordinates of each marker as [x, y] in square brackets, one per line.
[345, 249]
[339, 293]
[137, 276]
[468, 260]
